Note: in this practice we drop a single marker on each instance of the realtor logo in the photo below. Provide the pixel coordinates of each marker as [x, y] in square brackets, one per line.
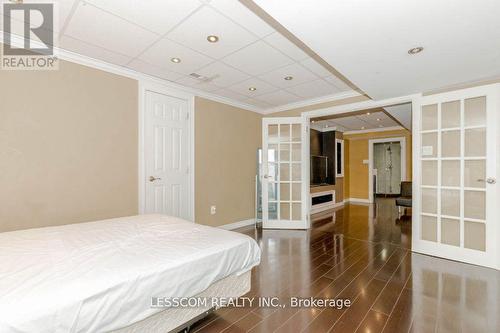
[28, 34]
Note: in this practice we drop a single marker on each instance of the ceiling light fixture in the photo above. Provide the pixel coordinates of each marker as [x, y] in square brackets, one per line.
[415, 50]
[362, 127]
[326, 126]
[213, 39]
[252, 88]
[368, 113]
[378, 119]
[175, 60]
[312, 121]
[288, 78]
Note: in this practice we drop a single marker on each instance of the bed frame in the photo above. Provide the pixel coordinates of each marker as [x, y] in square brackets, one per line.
[179, 319]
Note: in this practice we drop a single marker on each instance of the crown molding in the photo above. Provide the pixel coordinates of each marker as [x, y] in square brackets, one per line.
[313, 101]
[80, 59]
[370, 130]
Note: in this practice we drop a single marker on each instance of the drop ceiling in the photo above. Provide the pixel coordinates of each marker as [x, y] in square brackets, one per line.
[368, 41]
[374, 120]
[145, 36]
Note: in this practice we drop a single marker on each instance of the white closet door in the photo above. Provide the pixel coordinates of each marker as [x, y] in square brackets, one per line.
[167, 155]
[285, 180]
[457, 206]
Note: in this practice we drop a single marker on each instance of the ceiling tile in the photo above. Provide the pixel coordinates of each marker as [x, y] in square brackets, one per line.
[372, 117]
[102, 29]
[312, 89]
[341, 85]
[385, 121]
[221, 74]
[63, 8]
[80, 47]
[156, 15]
[279, 97]
[243, 16]
[231, 94]
[281, 43]
[388, 122]
[297, 72]
[315, 67]
[257, 103]
[161, 53]
[194, 32]
[350, 123]
[366, 122]
[152, 70]
[257, 58]
[197, 84]
[262, 87]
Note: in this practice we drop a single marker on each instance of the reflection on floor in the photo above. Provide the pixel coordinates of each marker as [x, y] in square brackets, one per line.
[361, 252]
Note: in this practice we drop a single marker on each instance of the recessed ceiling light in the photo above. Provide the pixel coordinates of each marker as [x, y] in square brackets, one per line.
[288, 78]
[415, 50]
[176, 60]
[252, 88]
[213, 39]
[326, 126]
[312, 121]
[378, 119]
[362, 127]
[368, 113]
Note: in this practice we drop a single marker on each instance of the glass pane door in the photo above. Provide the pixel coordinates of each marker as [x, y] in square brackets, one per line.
[283, 179]
[458, 149]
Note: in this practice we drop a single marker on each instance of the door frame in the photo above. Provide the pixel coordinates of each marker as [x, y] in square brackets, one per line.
[402, 142]
[415, 99]
[305, 199]
[144, 87]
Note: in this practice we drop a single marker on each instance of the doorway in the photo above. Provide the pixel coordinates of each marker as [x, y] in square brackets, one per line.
[387, 166]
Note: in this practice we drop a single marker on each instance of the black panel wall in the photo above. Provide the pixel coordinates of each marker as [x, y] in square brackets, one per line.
[323, 144]
[329, 151]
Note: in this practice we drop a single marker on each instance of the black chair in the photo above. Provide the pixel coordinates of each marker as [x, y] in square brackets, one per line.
[405, 199]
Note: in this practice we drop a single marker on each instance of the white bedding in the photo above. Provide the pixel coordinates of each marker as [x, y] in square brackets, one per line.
[100, 276]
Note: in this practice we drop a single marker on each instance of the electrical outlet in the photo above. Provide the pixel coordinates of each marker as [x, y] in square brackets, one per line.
[213, 210]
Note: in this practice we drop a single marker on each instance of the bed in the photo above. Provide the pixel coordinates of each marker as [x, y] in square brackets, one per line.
[101, 276]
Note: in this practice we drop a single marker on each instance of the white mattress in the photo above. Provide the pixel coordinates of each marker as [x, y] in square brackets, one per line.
[100, 276]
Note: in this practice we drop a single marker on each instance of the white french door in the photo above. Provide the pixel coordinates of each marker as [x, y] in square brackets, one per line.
[166, 151]
[457, 154]
[285, 182]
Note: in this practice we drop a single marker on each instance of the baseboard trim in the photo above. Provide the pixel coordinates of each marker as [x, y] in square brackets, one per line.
[338, 204]
[236, 225]
[357, 200]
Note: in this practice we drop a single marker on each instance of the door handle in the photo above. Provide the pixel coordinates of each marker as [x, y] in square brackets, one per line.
[152, 179]
[489, 180]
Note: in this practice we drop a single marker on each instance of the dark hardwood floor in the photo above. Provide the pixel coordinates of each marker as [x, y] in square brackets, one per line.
[361, 253]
